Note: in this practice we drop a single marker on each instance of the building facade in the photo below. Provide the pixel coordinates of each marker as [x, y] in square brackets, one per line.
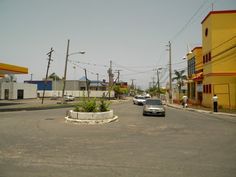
[195, 75]
[219, 58]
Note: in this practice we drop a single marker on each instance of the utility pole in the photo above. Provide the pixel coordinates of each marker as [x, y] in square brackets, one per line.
[97, 79]
[65, 71]
[118, 77]
[153, 81]
[87, 85]
[158, 81]
[170, 73]
[46, 78]
[110, 79]
[132, 83]
[31, 77]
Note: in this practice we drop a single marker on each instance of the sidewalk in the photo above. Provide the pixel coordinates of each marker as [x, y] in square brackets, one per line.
[200, 110]
[30, 104]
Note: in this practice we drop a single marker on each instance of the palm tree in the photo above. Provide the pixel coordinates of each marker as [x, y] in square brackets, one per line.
[179, 78]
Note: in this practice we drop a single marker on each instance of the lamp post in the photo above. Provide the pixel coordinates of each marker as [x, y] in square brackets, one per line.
[65, 71]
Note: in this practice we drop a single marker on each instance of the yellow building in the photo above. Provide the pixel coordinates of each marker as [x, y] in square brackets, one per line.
[195, 75]
[219, 58]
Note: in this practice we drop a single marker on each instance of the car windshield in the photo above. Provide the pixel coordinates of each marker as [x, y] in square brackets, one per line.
[140, 97]
[153, 102]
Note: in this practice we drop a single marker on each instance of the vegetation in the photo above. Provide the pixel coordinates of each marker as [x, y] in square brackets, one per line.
[180, 78]
[155, 91]
[91, 105]
[54, 77]
[119, 90]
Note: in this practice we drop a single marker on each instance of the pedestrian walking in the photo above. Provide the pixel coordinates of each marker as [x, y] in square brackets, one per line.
[184, 101]
[215, 103]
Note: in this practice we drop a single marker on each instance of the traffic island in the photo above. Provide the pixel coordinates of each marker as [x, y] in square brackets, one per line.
[90, 117]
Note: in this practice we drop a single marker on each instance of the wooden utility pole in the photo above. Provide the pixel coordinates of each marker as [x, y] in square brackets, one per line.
[97, 79]
[65, 71]
[46, 78]
[170, 73]
[110, 79]
[87, 84]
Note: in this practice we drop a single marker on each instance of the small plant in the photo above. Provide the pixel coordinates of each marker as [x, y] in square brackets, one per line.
[88, 106]
[77, 108]
[104, 106]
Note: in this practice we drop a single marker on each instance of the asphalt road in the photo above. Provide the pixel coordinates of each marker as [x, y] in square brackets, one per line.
[183, 144]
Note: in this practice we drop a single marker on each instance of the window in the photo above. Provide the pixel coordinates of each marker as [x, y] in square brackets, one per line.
[191, 66]
[206, 58]
[209, 56]
[206, 32]
[209, 88]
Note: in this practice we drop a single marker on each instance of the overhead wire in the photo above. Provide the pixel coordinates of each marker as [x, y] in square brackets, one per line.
[189, 21]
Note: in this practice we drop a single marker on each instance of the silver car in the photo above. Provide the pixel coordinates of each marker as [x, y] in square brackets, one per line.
[154, 107]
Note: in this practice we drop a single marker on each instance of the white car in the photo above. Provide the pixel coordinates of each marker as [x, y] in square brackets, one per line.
[139, 100]
[69, 98]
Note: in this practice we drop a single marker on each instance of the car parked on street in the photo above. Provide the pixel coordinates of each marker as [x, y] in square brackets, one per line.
[69, 98]
[154, 107]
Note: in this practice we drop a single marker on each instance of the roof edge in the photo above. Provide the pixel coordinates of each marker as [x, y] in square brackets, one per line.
[218, 12]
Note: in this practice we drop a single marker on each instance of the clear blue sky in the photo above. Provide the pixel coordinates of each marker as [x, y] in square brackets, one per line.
[133, 34]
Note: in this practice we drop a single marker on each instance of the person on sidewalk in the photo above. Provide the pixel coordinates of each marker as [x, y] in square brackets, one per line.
[184, 101]
[215, 103]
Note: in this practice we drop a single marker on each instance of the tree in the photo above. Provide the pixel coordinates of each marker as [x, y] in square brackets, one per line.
[179, 77]
[54, 77]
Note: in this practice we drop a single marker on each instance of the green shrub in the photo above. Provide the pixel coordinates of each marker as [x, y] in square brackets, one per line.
[92, 106]
[89, 106]
[77, 108]
[104, 106]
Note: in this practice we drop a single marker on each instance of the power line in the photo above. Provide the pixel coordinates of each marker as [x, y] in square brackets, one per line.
[188, 22]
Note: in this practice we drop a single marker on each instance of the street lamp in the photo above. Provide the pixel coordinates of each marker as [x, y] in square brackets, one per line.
[65, 71]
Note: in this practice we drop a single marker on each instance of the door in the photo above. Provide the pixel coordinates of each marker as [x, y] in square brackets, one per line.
[6, 94]
[20, 94]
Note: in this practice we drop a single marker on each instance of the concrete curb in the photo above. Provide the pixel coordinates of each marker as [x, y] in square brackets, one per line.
[201, 111]
[89, 121]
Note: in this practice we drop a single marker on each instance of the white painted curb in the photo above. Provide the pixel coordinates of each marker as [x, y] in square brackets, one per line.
[90, 117]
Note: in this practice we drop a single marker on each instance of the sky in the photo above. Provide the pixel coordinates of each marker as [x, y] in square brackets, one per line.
[132, 34]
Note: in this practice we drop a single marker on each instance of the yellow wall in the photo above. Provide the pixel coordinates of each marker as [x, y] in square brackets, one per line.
[220, 72]
[198, 56]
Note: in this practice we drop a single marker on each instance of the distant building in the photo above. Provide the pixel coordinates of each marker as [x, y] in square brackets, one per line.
[9, 89]
[72, 85]
[195, 75]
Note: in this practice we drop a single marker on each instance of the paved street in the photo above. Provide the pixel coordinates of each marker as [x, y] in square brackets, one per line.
[183, 144]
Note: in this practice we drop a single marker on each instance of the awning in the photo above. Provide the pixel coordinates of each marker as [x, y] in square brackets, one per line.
[198, 76]
[12, 69]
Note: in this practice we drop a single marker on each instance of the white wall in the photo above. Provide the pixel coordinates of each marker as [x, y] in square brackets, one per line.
[30, 90]
[93, 93]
